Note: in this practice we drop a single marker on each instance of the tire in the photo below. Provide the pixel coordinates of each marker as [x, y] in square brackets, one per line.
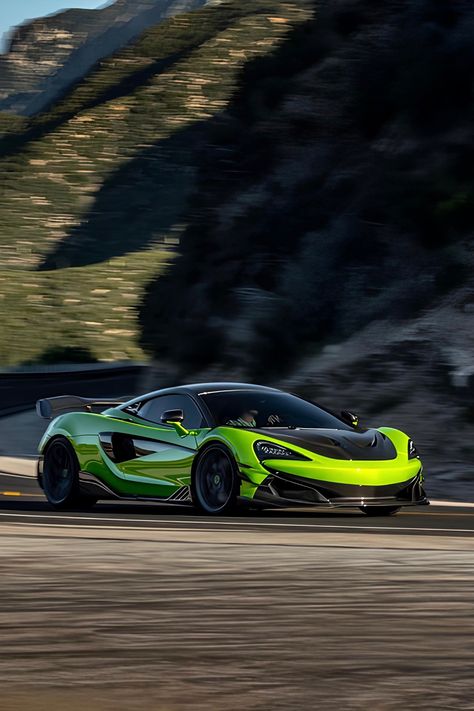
[215, 483]
[61, 477]
[379, 510]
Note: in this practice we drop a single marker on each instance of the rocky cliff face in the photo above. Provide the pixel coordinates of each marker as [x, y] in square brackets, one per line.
[48, 54]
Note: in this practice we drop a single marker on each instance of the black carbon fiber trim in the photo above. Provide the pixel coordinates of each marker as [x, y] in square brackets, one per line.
[289, 488]
[370, 445]
[91, 485]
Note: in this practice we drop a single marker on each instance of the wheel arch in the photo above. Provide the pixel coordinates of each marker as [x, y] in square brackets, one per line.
[239, 446]
[398, 438]
[50, 437]
[205, 446]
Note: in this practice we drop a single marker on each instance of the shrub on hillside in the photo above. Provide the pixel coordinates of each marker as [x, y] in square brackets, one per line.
[339, 184]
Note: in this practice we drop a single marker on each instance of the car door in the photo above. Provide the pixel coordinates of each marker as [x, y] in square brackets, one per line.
[164, 458]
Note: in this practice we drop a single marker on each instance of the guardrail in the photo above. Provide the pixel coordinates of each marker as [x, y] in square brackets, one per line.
[20, 389]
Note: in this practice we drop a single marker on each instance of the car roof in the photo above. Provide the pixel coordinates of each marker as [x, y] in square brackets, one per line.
[204, 388]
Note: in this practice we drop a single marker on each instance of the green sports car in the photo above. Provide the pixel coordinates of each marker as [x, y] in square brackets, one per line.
[215, 445]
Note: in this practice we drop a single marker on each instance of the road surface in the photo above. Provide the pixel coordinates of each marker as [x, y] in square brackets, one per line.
[131, 606]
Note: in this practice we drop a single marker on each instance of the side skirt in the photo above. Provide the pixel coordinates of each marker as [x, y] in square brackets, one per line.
[91, 485]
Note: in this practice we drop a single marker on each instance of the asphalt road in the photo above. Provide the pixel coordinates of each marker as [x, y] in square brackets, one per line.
[142, 607]
[21, 501]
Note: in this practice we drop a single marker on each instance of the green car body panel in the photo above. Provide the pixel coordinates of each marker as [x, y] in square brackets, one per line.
[157, 475]
[162, 460]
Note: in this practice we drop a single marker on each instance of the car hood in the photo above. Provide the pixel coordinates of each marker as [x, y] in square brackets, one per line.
[336, 444]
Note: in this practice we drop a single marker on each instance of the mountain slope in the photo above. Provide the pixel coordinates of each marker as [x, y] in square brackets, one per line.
[49, 53]
[339, 190]
[329, 248]
[93, 192]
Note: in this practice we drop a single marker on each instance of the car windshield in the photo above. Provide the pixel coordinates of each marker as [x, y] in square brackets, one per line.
[244, 408]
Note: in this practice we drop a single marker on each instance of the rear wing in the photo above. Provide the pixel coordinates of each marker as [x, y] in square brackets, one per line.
[53, 406]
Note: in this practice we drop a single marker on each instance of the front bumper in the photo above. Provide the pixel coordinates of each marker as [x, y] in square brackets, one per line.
[281, 489]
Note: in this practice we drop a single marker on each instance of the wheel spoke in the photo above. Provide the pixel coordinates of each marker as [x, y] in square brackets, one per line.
[58, 472]
[214, 479]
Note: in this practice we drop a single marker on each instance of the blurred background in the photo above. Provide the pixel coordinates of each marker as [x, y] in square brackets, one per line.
[273, 191]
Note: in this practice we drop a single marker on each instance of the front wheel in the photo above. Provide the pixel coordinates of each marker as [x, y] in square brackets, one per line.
[215, 484]
[379, 510]
[61, 477]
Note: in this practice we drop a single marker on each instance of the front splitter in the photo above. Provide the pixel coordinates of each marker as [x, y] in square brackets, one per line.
[282, 490]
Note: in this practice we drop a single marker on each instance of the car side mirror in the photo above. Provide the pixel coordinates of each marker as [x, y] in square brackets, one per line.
[170, 417]
[175, 418]
[349, 418]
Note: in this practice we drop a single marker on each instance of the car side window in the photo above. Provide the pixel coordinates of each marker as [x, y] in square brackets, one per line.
[152, 410]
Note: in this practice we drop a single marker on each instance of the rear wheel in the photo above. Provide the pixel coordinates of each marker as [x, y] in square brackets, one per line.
[215, 483]
[379, 510]
[61, 477]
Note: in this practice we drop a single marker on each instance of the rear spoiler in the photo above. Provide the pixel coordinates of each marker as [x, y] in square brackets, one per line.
[54, 406]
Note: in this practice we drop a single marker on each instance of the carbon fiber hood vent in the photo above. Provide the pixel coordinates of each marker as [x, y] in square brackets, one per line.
[370, 445]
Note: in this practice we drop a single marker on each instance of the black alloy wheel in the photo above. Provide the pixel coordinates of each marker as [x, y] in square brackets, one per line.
[216, 483]
[379, 510]
[61, 477]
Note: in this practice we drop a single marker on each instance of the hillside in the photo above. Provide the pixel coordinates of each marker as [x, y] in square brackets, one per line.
[93, 192]
[332, 228]
[339, 189]
[47, 54]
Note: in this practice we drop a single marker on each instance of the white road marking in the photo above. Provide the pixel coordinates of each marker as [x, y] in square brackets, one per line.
[113, 528]
[249, 524]
[454, 504]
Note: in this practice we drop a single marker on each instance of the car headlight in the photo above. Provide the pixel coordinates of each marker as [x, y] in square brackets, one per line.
[412, 450]
[268, 450]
